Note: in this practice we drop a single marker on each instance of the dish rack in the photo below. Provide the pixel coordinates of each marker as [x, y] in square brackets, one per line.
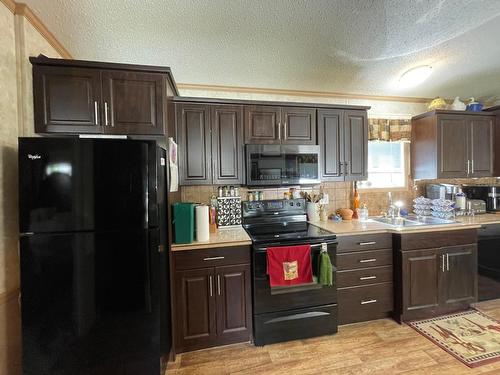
[441, 208]
[228, 212]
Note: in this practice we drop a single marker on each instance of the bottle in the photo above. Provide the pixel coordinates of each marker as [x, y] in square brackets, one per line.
[355, 201]
[212, 214]
[460, 200]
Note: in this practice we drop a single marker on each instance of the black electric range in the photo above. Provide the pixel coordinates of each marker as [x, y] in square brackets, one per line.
[292, 312]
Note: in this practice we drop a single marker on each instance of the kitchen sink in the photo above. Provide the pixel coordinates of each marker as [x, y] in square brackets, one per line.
[412, 221]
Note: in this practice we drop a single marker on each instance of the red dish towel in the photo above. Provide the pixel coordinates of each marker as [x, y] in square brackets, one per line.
[289, 265]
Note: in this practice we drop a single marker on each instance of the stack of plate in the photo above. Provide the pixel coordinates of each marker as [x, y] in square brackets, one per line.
[422, 206]
[443, 208]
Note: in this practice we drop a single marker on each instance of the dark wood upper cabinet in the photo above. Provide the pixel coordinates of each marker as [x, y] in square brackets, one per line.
[356, 145]
[298, 126]
[343, 140]
[452, 144]
[331, 143]
[76, 96]
[227, 144]
[193, 135]
[234, 318]
[67, 100]
[195, 304]
[133, 102]
[481, 146]
[262, 125]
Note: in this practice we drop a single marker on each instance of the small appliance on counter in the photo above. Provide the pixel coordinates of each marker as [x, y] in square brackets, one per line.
[477, 206]
[490, 194]
[441, 191]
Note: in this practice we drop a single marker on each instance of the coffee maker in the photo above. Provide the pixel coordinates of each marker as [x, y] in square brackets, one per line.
[488, 193]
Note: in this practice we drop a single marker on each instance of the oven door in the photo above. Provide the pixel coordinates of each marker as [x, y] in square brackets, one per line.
[282, 164]
[267, 299]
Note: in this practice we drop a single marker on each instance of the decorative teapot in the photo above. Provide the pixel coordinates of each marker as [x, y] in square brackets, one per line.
[457, 105]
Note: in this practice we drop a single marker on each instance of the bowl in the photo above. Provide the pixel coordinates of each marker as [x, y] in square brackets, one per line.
[346, 213]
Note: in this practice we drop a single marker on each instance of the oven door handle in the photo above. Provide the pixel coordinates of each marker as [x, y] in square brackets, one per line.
[263, 249]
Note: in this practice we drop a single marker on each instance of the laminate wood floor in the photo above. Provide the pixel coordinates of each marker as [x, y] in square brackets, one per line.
[376, 347]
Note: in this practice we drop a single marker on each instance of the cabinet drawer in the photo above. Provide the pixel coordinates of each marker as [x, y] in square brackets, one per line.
[365, 276]
[190, 259]
[362, 303]
[364, 259]
[364, 242]
[419, 241]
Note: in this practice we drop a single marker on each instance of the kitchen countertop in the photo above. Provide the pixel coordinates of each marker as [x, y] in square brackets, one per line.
[239, 237]
[222, 238]
[353, 227]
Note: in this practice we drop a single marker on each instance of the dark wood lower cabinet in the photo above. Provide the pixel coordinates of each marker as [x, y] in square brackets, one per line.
[213, 304]
[234, 315]
[438, 280]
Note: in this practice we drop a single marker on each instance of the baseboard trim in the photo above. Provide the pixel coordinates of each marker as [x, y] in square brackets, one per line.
[7, 296]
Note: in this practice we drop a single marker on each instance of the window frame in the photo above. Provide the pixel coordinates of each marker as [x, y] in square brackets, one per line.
[406, 171]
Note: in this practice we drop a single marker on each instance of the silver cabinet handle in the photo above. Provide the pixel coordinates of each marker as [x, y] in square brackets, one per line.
[212, 258]
[279, 130]
[368, 301]
[284, 130]
[368, 260]
[472, 166]
[211, 286]
[442, 262]
[367, 243]
[218, 284]
[340, 167]
[447, 262]
[468, 166]
[96, 113]
[106, 120]
[362, 278]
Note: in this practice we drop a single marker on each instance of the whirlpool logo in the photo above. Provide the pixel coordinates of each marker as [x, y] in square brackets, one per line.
[34, 157]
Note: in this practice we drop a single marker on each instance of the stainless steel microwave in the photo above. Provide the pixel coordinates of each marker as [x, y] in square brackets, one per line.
[282, 165]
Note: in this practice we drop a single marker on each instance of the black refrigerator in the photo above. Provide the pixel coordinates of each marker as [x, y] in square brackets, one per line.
[94, 278]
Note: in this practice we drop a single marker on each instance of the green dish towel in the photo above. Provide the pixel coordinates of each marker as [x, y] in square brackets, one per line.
[325, 269]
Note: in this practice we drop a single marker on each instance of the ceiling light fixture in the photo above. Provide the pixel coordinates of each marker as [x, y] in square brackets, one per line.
[415, 76]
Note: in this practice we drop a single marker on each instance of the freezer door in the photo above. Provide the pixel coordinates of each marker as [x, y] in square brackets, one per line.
[88, 304]
[70, 184]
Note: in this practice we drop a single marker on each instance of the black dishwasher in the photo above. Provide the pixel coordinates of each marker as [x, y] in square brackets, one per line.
[489, 262]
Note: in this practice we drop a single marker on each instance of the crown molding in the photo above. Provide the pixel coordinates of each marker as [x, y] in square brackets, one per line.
[25, 11]
[315, 94]
[10, 4]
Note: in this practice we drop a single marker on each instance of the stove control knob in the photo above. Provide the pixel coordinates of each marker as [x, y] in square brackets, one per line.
[298, 204]
[291, 204]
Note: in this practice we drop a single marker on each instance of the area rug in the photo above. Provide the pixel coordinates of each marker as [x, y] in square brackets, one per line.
[470, 336]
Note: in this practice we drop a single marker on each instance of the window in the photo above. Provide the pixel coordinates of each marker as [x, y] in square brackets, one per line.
[387, 165]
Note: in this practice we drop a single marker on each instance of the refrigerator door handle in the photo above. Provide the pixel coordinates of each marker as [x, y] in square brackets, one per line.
[26, 234]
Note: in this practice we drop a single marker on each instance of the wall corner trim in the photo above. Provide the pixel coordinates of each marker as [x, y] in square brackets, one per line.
[25, 11]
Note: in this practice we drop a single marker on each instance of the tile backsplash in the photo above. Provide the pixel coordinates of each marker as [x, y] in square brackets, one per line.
[339, 193]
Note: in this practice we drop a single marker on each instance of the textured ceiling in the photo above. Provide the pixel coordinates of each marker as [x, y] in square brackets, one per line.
[350, 46]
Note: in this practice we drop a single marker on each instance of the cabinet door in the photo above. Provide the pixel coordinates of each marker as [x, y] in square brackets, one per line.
[459, 275]
[262, 125]
[420, 280]
[356, 146]
[67, 100]
[227, 144]
[133, 102]
[481, 146]
[299, 126]
[193, 134]
[234, 315]
[195, 309]
[452, 146]
[330, 140]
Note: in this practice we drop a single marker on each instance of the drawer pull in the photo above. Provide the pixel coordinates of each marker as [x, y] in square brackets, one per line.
[368, 260]
[367, 278]
[212, 258]
[368, 301]
[367, 243]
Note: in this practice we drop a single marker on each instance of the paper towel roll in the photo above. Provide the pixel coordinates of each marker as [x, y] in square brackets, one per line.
[202, 227]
